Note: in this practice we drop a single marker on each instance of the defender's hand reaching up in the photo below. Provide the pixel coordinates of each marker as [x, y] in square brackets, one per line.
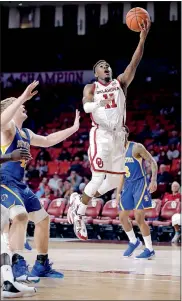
[29, 93]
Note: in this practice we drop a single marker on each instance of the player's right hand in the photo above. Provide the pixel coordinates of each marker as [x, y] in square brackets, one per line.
[29, 93]
[21, 154]
[76, 124]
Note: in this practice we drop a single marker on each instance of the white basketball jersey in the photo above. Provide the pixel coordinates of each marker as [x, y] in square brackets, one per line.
[114, 114]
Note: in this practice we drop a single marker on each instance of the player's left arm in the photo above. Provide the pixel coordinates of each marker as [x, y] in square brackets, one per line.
[140, 150]
[126, 78]
[54, 138]
[119, 188]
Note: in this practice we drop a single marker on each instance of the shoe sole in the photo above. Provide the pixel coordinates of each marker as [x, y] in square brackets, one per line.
[27, 279]
[148, 258]
[6, 294]
[139, 247]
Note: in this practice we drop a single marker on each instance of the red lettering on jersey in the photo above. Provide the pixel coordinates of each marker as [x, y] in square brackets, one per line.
[113, 104]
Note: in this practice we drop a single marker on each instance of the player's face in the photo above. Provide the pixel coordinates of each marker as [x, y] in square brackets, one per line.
[104, 71]
[21, 114]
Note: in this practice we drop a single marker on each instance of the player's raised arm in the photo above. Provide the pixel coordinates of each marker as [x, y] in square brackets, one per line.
[140, 150]
[10, 106]
[89, 105]
[55, 138]
[129, 73]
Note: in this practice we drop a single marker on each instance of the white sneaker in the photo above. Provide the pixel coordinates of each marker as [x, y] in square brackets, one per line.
[15, 290]
[73, 218]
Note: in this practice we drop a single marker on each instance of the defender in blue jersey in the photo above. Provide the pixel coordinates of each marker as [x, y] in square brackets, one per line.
[16, 196]
[134, 194]
[11, 288]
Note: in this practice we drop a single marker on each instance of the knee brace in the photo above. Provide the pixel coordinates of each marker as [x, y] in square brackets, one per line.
[176, 219]
[4, 217]
[110, 182]
[93, 186]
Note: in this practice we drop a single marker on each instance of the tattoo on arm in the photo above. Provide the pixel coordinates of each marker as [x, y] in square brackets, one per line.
[141, 151]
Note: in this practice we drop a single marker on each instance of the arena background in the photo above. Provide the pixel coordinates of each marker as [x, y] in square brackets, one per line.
[58, 45]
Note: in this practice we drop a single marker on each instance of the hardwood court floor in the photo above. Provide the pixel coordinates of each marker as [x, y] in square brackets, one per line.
[98, 272]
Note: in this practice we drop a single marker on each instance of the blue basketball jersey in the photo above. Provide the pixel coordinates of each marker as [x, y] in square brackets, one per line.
[134, 168]
[15, 170]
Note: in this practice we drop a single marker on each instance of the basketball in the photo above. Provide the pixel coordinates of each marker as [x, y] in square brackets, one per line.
[135, 17]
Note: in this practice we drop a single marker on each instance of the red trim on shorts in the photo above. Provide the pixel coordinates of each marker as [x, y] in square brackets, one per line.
[95, 153]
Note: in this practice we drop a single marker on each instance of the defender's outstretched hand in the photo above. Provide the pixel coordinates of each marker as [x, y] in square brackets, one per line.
[145, 27]
[77, 121]
[29, 93]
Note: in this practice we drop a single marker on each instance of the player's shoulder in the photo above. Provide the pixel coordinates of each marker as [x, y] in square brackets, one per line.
[89, 88]
[138, 148]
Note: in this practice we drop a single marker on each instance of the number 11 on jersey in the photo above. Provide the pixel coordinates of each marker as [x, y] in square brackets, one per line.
[112, 104]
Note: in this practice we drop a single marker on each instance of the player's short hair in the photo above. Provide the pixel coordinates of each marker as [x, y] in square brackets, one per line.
[6, 103]
[100, 61]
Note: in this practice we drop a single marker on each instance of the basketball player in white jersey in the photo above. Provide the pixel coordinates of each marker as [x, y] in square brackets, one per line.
[105, 100]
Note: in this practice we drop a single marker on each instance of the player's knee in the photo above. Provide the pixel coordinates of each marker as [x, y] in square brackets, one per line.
[93, 186]
[111, 182]
[123, 217]
[22, 217]
[140, 217]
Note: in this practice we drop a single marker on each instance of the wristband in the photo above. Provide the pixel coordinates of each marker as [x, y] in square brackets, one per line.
[89, 107]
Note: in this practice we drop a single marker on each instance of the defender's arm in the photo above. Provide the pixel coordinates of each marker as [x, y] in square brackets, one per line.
[9, 112]
[140, 150]
[54, 138]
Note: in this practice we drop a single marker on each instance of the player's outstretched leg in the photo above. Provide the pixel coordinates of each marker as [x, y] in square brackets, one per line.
[134, 243]
[148, 252]
[42, 266]
[78, 205]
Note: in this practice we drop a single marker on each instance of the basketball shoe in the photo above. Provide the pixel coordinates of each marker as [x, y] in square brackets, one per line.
[44, 269]
[75, 218]
[20, 270]
[146, 254]
[15, 290]
[132, 247]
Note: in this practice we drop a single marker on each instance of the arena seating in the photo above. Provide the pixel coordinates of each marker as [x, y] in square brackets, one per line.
[168, 210]
[45, 203]
[105, 219]
[109, 212]
[56, 208]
